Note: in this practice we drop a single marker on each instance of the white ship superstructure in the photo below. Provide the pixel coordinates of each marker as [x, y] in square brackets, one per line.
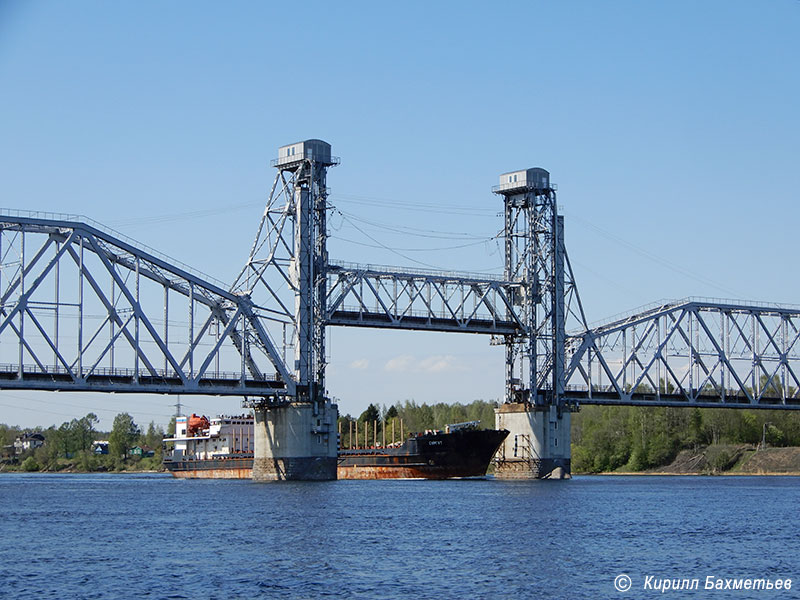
[221, 437]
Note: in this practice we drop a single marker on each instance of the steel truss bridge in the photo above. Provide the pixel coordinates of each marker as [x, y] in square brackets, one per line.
[84, 309]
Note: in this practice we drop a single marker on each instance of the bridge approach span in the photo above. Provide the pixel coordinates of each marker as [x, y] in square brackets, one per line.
[693, 352]
[84, 310]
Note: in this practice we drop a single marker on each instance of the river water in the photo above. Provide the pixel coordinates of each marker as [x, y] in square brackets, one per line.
[151, 536]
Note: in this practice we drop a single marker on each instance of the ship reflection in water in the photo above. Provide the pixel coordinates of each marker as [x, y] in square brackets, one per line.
[222, 448]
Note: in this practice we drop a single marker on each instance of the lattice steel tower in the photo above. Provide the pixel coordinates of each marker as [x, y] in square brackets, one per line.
[286, 267]
[534, 263]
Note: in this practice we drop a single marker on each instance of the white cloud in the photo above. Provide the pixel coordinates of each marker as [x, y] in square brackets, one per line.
[361, 364]
[402, 363]
[439, 363]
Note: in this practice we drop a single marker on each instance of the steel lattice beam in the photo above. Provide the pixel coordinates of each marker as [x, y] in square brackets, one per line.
[367, 296]
[691, 353]
[83, 310]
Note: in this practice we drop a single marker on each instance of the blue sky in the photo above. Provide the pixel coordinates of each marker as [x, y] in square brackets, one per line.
[671, 129]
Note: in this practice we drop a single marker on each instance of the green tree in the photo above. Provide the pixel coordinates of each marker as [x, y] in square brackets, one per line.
[83, 432]
[124, 435]
[371, 414]
[154, 438]
[696, 434]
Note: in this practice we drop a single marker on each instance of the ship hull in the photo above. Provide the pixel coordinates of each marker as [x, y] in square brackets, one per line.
[211, 468]
[437, 455]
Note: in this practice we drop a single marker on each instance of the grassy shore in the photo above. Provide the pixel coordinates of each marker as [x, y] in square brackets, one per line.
[726, 459]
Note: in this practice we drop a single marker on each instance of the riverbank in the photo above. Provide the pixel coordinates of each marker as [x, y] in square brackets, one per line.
[96, 465]
[727, 459]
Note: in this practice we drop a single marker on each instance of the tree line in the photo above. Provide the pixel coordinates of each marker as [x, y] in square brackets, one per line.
[607, 438]
[71, 445]
[409, 417]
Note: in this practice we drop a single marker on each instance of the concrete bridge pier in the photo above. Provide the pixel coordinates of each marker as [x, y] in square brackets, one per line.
[295, 441]
[538, 445]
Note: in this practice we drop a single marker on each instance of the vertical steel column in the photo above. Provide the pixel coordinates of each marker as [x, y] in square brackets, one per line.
[691, 356]
[191, 331]
[303, 279]
[243, 350]
[55, 308]
[727, 347]
[320, 267]
[112, 319]
[137, 317]
[559, 322]
[784, 333]
[509, 276]
[723, 371]
[532, 252]
[21, 299]
[80, 311]
[754, 361]
[166, 330]
[658, 359]
[624, 360]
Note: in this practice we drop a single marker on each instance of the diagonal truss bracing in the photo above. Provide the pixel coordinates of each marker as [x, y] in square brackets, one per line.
[83, 310]
[691, 352]
[368, 296]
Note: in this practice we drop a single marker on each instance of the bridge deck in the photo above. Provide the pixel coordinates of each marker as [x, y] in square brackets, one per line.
[680, 400]
[127, 381]
[421, 323]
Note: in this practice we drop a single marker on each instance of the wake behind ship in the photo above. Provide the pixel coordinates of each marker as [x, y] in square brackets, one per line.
[222, 448]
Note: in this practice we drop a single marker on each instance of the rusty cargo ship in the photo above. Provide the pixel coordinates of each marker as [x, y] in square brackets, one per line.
[222, 448]
[461, 450]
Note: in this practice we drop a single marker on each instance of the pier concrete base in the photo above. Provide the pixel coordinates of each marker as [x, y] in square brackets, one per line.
[295, 442]
[538, 445]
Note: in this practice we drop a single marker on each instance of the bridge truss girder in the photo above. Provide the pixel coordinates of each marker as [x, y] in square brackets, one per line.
[690, 353]
[81, 310]
[383, 297]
